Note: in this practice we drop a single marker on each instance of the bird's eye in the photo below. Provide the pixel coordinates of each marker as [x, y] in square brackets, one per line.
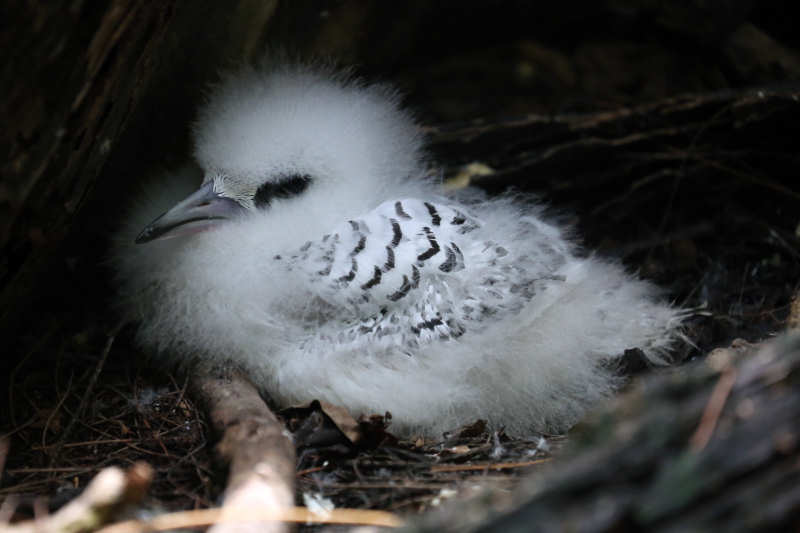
[284, 187]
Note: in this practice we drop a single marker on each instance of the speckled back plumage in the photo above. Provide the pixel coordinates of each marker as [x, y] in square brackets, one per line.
[411, 272]
[372, 289]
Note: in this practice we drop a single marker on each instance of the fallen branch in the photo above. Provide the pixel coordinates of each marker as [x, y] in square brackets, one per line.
[254, 443]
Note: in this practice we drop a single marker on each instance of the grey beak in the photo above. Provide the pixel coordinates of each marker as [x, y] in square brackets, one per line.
[199, 211]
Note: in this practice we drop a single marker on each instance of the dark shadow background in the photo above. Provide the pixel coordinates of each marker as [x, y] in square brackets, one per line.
[98, 96]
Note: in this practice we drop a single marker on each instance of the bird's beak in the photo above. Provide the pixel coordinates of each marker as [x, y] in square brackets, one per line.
[197, 212]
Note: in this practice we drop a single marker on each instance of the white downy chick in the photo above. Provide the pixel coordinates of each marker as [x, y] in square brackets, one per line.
[335, 270]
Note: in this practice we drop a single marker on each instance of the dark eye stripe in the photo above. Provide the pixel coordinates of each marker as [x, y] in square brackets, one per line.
[283, 187]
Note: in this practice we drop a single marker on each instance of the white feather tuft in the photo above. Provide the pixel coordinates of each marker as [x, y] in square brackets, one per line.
[223, 296]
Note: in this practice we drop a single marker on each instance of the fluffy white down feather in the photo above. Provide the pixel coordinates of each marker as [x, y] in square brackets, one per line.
[528, 363]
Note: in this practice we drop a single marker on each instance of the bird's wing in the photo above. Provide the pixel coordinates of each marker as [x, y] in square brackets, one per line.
[386, 262]
[381, 256]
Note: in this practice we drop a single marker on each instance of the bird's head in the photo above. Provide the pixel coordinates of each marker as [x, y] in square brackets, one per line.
[294, 137]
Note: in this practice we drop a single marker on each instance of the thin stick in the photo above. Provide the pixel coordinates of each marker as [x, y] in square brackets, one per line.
[254, 516]
[487, 466]
[711, 413]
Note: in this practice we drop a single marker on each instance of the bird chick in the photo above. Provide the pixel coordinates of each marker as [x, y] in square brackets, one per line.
[336, 270]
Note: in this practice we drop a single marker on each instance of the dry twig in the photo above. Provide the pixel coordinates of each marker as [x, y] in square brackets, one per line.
[108, 492]
[255, 517]
[713, 409]
[487, 466]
